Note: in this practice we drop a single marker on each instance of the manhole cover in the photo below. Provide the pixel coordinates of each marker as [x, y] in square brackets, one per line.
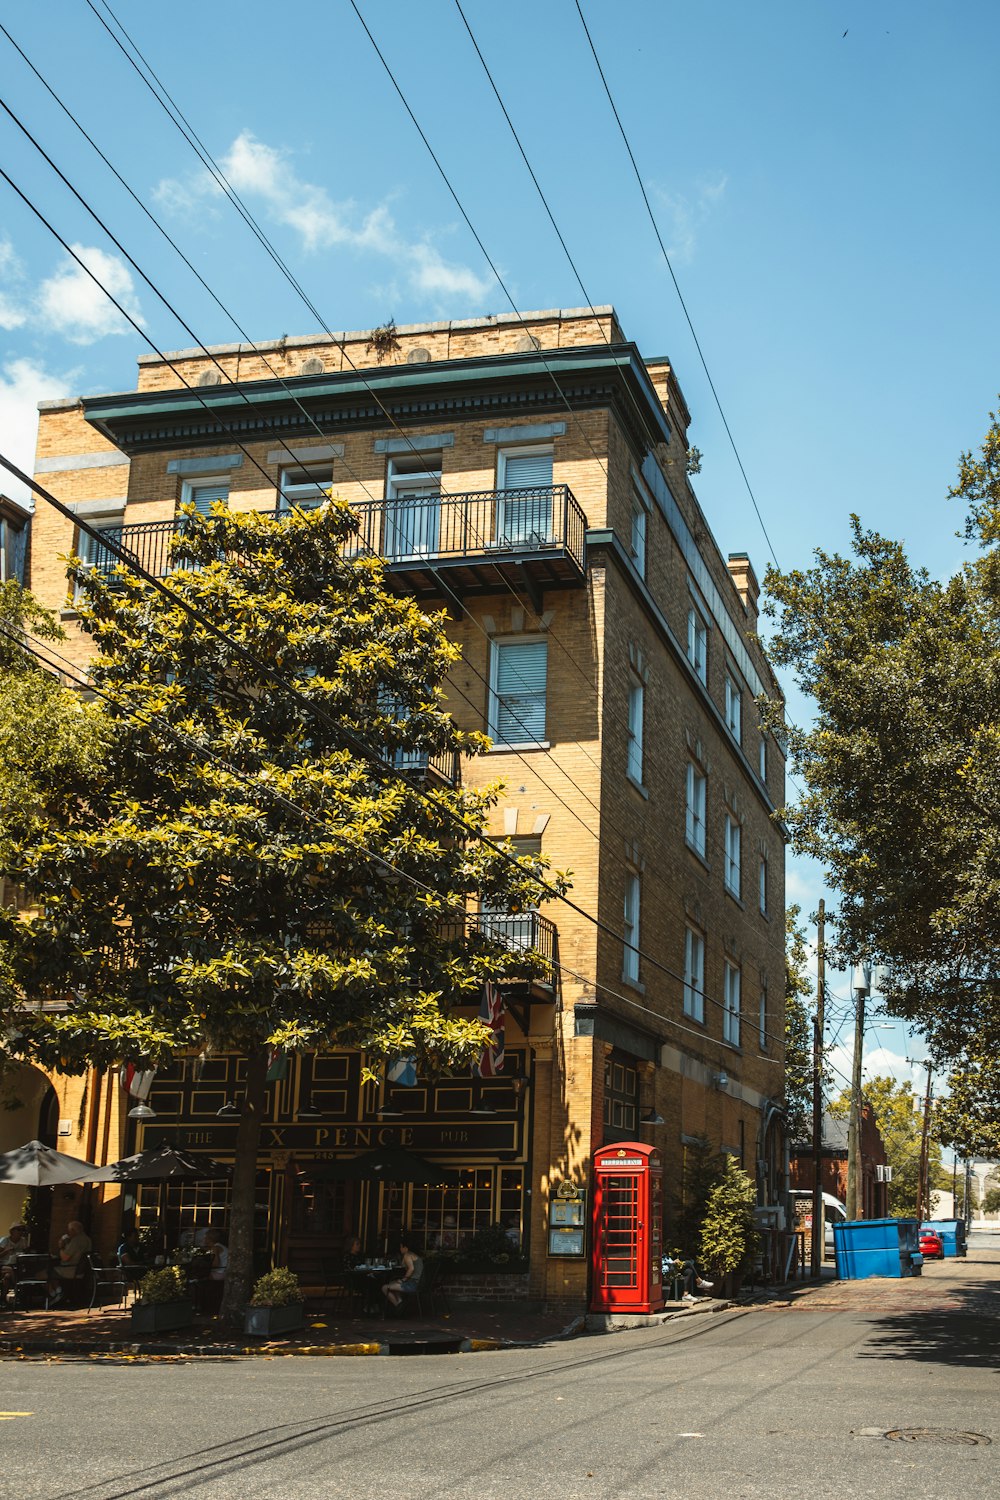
[937, 1435]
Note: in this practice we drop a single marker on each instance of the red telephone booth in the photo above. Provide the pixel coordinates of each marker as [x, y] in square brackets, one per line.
[627, 1229]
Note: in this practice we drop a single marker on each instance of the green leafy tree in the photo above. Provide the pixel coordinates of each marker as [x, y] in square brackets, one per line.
[702, 1171]
[729, 1235]
[902, 774]
[798, 1030]
[898, 1114]
[991, 1200]
[240, 872]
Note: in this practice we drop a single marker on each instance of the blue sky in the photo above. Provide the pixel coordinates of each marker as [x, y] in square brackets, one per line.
[823, 172]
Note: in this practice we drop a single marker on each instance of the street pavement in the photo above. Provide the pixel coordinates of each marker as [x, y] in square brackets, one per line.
[790, 1397]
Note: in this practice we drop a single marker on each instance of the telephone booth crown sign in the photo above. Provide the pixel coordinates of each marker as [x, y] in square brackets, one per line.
[627, 1238]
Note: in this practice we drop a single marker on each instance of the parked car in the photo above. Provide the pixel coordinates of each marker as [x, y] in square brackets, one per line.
[931, 1247]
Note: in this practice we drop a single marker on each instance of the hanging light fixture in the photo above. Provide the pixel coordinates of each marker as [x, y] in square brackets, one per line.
[308, 1111]
[651, 1117]
[229, 1111]
[142, 1111]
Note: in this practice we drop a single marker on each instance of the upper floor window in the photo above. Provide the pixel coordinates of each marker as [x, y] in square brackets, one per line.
[204, 493]
[694, 975]
[13, 550]
[734, 708]
[695, 812]
[762, 885]
[621, 1097]
[304, 487]
[697, 644]
[733, 839]
[630, 964]
[636, 712]
[637, 535]
[413, 505]
[91, 551]
[762, 1019]
[762, 759]
[524, 504]
[517, 691]
[731, 1004]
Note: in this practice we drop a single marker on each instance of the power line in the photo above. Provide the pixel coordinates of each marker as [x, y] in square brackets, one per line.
[673, 277]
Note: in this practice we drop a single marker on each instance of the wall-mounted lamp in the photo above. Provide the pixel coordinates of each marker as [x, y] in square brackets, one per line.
[651, 1117]
[142, 1112]
[229, 1111]
[721, 1080]
[482, 1108]
[308, 1111]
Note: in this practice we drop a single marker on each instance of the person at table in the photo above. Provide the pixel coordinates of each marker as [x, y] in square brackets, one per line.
[12, 1244]
[73, 1246]
[130, 1254]
[406, 1287]
[352, 1254]
[215, 1244]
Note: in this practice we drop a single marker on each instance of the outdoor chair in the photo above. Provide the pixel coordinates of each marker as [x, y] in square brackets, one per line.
[107, 1280]
[432, 1298]
[77, 1290]
[31, 1287]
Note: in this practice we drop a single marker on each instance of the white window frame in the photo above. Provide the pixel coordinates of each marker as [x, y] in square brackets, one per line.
[762, 759]
[734, 707]
[762, 876]
[497, 645]
[731, 1004]
[304, 494]
[696, 804]
[85, 547]
[638, 530]
[733, 849]
[694, 975]
[697, 643]
[525, 533]
[633, 908]
[636, 725]
[190, 487]
[412, 529]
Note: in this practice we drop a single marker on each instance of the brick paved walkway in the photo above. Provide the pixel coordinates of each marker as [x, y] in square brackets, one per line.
[970, 1286]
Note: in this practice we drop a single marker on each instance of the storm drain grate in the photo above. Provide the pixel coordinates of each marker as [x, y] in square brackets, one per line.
[937, 1435]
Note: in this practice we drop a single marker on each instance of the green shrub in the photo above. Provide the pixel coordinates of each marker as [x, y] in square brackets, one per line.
[277, 1288]
[168, 1284]
[729, 1235]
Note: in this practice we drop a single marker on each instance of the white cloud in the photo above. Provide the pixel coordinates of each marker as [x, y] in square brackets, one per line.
[71, 304]
[259, 171]
[13, 313]
[687, 216]
[23, 383]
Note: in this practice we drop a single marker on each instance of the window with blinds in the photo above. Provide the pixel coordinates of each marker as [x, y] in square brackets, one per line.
[413, 509]
[304, 488]
[517, 692]
[204, 496]
[524, 509]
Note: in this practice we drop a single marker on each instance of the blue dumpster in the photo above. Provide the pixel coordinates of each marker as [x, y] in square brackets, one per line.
[877, 1247]
[952, 1233]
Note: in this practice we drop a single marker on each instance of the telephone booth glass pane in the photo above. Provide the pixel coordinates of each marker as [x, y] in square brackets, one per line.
[621, 1223]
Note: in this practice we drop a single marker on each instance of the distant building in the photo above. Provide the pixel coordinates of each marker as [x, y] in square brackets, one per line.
[531, 475]
[15, 535]
[833, 1179]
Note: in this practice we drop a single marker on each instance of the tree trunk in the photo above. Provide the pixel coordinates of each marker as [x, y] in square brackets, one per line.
[239, 1275]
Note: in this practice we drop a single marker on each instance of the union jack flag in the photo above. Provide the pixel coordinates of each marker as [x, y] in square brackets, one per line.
[491, 1011]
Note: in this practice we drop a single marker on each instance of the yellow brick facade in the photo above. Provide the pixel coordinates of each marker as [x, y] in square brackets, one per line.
[619, 624]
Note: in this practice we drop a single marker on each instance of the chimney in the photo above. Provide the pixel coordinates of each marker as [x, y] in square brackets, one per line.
[746, 585]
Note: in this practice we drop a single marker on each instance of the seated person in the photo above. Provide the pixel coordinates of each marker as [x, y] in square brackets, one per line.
[217, 1247]
[686, 1272]
[406, 1288]
[130, 1255]
[74, 1245]
[352, 1254]
[12, 1245]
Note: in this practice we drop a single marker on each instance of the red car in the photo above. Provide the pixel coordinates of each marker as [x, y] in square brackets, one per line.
[931, 1247]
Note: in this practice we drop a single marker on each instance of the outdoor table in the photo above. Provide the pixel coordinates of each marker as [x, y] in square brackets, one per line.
[31, 1273]
[368, 1280]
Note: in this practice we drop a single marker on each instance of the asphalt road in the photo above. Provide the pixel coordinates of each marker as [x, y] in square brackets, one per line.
[776, 1401]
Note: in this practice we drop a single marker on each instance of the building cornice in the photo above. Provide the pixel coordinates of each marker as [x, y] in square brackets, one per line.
[550, 380]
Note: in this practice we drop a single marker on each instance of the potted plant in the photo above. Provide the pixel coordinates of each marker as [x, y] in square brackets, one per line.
[276, 1304]
[163, 1302]
[729, 1234]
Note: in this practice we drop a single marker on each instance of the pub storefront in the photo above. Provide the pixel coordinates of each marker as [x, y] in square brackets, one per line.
[320, 1114]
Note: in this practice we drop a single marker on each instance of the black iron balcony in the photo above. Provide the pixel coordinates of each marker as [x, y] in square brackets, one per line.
[522, 933]
[444, 766]
[484, 538]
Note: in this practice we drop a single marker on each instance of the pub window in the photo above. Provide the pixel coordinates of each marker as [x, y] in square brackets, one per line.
[621, 1098]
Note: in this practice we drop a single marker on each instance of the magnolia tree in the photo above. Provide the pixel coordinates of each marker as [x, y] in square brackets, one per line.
[242, 868]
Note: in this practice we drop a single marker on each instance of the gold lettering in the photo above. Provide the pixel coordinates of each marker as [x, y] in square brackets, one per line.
[277, 1136]
[321, 1135]
[363, 1135]
[406, 1135]
[340, 1136]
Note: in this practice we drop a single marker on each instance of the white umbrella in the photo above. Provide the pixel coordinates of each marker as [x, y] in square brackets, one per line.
[35, 1165]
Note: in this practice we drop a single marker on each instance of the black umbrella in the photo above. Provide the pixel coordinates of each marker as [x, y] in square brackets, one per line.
[384, 1164]
[36, 1165]
[160, 1164]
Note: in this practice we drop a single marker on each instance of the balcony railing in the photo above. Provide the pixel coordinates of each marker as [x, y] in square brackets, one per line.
[445, 765]
[486, 527]
[522, 933]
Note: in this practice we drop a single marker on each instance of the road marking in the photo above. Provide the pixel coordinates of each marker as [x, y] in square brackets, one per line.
[8, 1416]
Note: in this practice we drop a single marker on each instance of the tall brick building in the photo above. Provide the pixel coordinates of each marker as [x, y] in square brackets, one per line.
[529, 475]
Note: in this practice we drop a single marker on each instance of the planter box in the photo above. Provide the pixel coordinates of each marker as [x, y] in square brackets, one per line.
[161, 1317]
[265, 1322]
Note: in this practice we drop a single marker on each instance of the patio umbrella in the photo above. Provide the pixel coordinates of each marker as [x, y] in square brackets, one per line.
[160, 1164]
[35, 1165]
[385, 1164]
